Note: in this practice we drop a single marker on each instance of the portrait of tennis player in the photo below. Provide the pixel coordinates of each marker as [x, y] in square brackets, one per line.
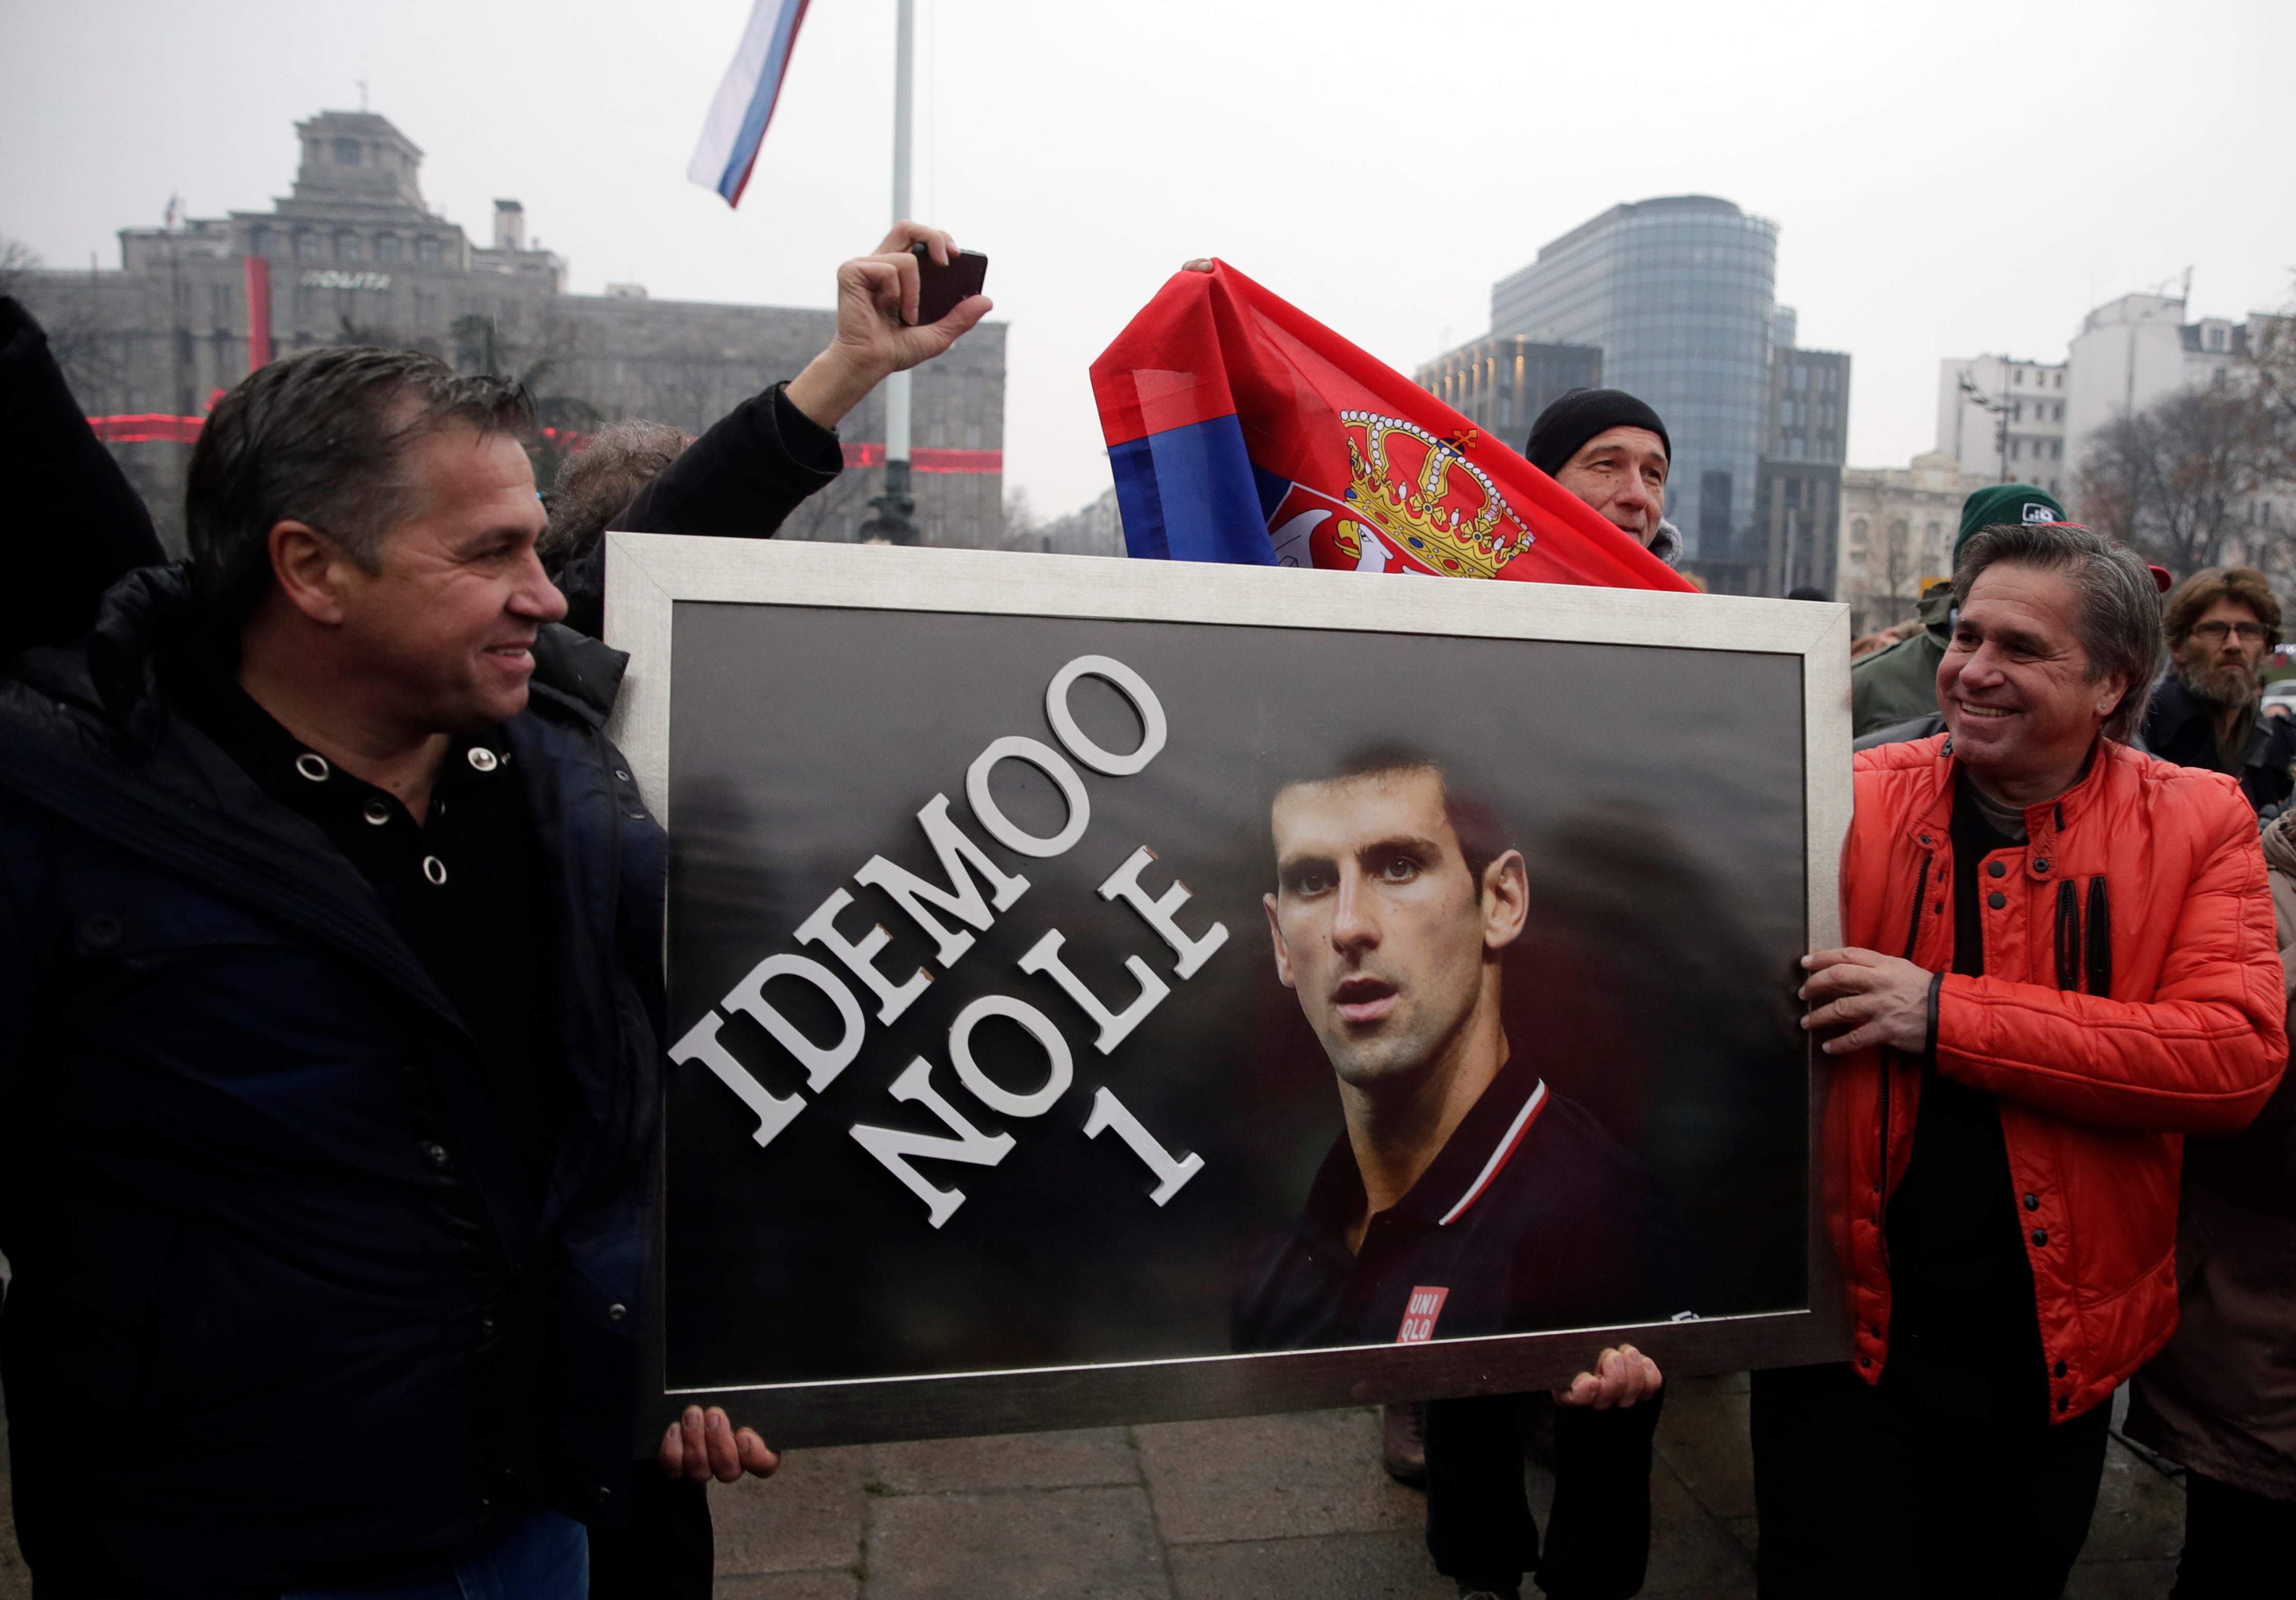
[1464, 1196]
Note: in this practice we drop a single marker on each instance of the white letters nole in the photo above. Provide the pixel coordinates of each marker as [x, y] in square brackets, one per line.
[1044, 957]
[965, 901]
[895, 1147]
[1124, 884]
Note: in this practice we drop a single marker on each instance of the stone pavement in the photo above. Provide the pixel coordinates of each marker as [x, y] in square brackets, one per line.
[1255, 1508]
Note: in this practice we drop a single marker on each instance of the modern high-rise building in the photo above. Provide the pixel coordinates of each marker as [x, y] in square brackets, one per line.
[1501, 385]
[1678, 294]
[1795, 539]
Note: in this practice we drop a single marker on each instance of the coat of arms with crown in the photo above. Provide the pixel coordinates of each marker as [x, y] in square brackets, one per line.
[1423, 500]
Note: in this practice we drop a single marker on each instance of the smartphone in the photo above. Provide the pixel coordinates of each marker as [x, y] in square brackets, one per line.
[941, 288]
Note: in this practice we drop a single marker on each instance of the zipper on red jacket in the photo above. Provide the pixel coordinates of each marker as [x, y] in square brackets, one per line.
[1881, 1173]
[2100, 938]
[2068, 936]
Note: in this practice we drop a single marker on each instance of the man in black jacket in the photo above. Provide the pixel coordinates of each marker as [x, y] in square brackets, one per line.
[329, 1002]
[1461, 1199]
[2205, 710]
[754, 465]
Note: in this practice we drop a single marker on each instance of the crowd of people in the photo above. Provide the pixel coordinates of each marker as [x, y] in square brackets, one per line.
[332, 1027]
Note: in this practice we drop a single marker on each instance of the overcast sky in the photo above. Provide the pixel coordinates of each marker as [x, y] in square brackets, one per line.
[1951, 177]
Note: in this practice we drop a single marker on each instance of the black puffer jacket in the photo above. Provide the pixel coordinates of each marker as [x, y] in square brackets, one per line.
[72, 524]
[2178, 728]
[253, 1200]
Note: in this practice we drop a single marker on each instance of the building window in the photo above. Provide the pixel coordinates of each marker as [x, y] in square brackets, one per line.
[2020, 379]
[1713, 511]
[346, 247]
[426, 251]
[260, 241]
[2060, 382]
[386, 248]
[1858, 530]
[307, 246]
[346, 153]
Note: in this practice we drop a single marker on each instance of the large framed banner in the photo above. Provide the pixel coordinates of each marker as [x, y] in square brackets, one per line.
[1118, 991]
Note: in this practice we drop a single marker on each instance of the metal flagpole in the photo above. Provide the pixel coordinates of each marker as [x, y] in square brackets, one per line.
[896, 508]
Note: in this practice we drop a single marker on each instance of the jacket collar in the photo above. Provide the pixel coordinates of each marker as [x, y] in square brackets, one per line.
[1463, 1171]
[144, 778]
[2044, 820]
[126, 766]
[582, 673]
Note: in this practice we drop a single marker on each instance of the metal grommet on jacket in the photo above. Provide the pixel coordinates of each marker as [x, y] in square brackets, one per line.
[313, 766]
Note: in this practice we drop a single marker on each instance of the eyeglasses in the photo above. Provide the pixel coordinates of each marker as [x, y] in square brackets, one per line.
[2214, 633]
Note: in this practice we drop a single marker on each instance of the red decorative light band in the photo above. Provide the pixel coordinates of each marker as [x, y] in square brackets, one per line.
[146, 426]
[930, 461]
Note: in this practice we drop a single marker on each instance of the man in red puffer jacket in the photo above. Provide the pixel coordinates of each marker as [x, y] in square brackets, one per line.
[2061, 961]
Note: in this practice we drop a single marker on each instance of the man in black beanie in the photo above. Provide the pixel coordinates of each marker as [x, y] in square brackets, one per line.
[1611, 450]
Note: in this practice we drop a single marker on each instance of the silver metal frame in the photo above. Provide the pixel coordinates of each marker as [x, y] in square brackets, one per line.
[648, 574]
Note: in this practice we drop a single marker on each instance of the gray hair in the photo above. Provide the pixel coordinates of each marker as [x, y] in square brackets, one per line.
[604, 476]
[2119, 623]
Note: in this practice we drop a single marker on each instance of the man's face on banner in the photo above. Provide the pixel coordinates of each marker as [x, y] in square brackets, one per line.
[1377, 924]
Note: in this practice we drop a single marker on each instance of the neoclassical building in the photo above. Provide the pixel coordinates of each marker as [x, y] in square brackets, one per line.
[353, 254]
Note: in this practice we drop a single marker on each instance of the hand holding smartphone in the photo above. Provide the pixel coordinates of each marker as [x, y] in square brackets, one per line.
[940, 289]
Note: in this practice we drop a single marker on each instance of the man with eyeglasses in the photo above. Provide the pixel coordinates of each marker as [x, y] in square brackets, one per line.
[2205, 708]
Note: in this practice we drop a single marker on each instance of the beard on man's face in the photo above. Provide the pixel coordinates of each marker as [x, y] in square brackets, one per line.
[2219, 683]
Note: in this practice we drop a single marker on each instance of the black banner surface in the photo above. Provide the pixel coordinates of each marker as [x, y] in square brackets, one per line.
[985, 1059]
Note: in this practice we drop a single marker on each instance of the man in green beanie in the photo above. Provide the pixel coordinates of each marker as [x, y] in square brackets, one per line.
[1900, 684]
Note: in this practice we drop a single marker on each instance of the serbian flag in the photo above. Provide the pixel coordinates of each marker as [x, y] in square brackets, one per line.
[745, 100]
[1241, 429]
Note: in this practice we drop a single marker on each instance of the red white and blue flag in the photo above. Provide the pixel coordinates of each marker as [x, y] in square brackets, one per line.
[745, 100]
[1241, 429]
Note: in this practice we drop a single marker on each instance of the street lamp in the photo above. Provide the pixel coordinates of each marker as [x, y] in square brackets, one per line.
[1996, 409]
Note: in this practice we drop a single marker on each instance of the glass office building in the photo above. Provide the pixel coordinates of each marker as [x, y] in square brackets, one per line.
[1678, 292]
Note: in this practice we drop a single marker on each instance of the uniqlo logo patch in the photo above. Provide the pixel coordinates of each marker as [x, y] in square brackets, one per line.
[1419, 1314]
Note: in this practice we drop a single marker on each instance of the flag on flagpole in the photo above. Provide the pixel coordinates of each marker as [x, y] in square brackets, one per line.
[745, 100]
[1241, 429]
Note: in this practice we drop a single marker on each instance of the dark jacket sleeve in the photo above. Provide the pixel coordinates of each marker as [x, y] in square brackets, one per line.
[75, 526]
[1598, 1533]
[741, 480]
